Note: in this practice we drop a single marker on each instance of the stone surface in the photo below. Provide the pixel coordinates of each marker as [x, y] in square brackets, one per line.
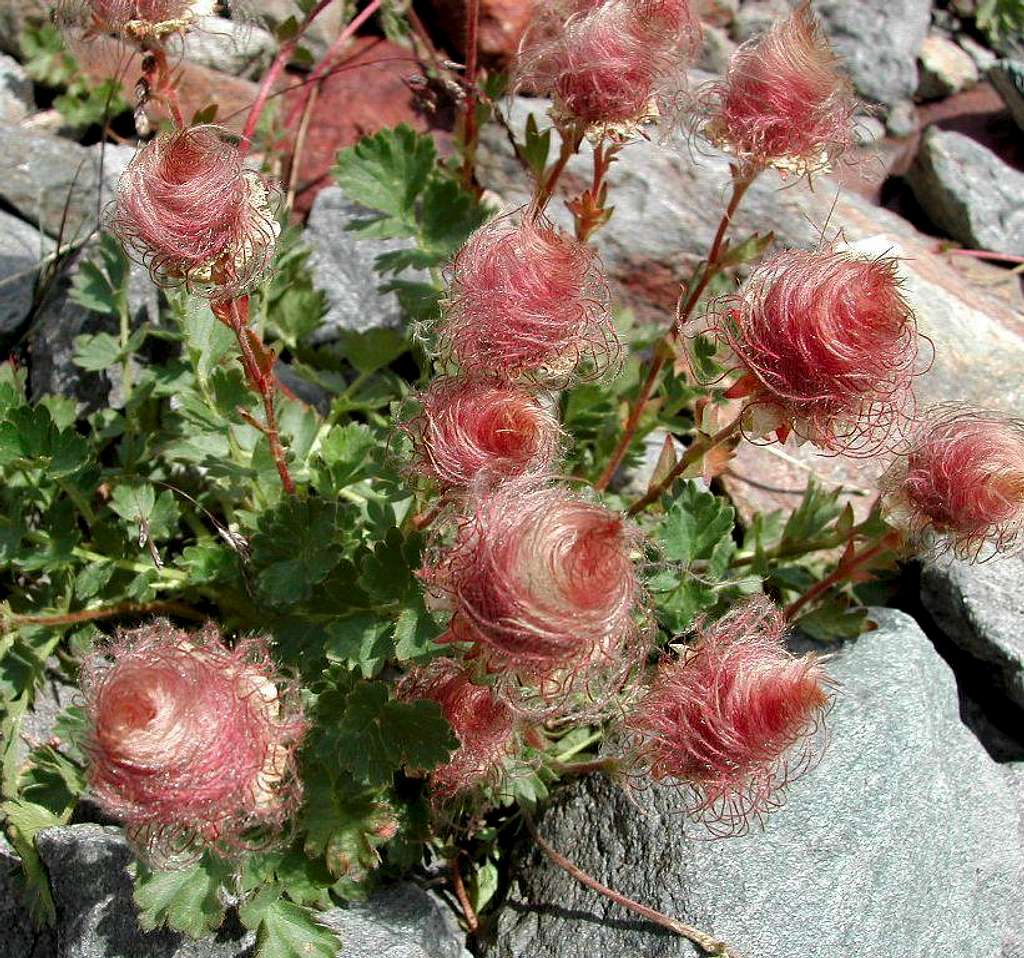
[95, 914]
[1007, 77]
[14, 15]
[15, 91]
[897, 845]
[980, 607]
[755, 17]
[17, 936]
[902, 120]
[501, 25]
[982, 56]
[879, 41]
[40, 174]
[342, 266]
[22, 247]
[945, 68]
[716, 50]
[399, 922]
[969, 192]
[231, 46]
[320, 35]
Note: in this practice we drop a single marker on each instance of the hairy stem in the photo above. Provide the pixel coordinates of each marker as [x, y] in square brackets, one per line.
[843, 571]
[284, 54]
[708, 943]
[699, 449]
[740, 185]
[164, 87]
[546, 185]
[323, 68]
[459, 887]
[470, 131]
[106, 612]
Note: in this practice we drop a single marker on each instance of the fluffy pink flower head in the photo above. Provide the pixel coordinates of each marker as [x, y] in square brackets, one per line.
[828, 348]
[784, 101]
[195, 215]
[470, 432]
[192, 744]
[529, 301]
[544, 587]
[142, 21]
[608, 64]
[735, 719]
[961, 487]
[483, 724]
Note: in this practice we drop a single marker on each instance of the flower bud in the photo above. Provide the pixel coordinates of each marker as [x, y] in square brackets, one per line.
[483, 724]
[961, 486]
[471, 432]
[544, 588]
[527, 300]
[192, 745]
[195, 215]
[735, 719]
[827, 346]
[784, 101]
[609, 63]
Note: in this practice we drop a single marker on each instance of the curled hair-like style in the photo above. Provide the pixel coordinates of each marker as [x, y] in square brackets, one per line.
[734, 720]
[470, 432]
[191, 744]
[609, 63]
[484, 725]
[961, 486]
[527, 301]
[784, 101]
[828, 347]
[543, 586]
[194, 215]
[141, 21]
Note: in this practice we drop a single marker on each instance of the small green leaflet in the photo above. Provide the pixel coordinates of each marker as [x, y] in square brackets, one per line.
[378, 736]
[288, 930]
[30, 439]
[188, 900]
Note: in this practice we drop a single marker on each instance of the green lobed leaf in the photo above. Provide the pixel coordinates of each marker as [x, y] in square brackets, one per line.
[288, 930]
[188, 900]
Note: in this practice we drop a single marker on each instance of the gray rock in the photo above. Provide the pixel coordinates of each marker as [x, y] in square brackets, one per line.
[716, 51]
[969, 192]
[52, 698]
[15, 15]
[41, 174]
[231, 46]
[342, 266]
[321, 34]
[756, 16]
[902, 119]
[945, 69]
[15, 91]
[879, 41]
[95, 914]
[1007, 77]
[982, 56]
[897, 845]
[19, 938]
[400, 922]
[868, 130]
[980, 607]
[22, 248]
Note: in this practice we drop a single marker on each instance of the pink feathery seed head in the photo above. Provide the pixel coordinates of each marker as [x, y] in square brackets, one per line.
[961, 486]
[544, 587]
[527, 300]
[735, 719]
[191, 744]
[476, 431]
[483, 724]
[828, 347]
[195, 215]
[146, 21]
[784, 101]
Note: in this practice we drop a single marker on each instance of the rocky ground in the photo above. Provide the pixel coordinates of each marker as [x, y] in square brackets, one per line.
[908, 839]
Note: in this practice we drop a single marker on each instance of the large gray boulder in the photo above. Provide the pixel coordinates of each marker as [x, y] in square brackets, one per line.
[16, 100]
[342, 267]
[22, 249]
[969, 192]
[1007, 77]
[231, 46]
[96, 917]
[980, 607]
[879, 41]
[901, 843]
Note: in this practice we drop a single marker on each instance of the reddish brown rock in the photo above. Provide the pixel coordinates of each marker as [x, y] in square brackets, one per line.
[198, 86]
[501, 25]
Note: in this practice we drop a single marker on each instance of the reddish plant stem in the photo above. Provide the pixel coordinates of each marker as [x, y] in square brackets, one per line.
[699, 449]
[589, 208]
[985, 254]
[602, 765]
[323, 68]
[546, 186]
[842, 571]
[708, 943]
[740, 185]
[165, 87]
[472, 921]
[284, 54]
[107, 612]
[470, 132]
[260, 377]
